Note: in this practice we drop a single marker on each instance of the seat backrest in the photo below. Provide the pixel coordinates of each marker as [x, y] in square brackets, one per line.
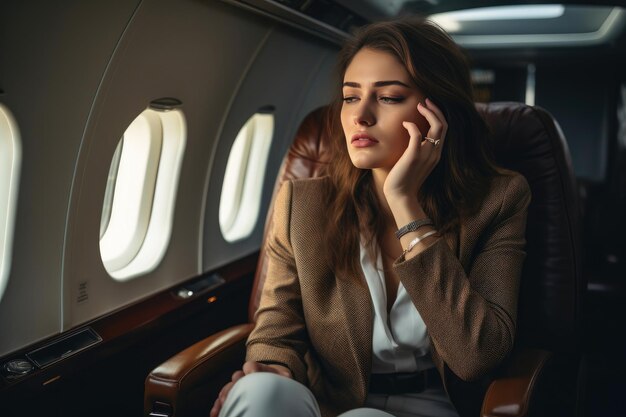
[527, 140]
[305, 158]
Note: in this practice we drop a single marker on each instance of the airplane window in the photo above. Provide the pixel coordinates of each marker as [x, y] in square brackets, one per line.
[138, 207]
[240, 201]
[10, 161]
[108, 193]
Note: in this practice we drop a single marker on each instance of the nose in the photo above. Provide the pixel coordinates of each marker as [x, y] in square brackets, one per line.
[363, 115]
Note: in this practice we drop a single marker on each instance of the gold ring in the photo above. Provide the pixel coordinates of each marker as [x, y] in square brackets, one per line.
[433, 141]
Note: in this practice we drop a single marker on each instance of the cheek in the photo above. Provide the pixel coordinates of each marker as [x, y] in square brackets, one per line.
[412, 115]
[422, 125]
[344, 122]
[420, 121]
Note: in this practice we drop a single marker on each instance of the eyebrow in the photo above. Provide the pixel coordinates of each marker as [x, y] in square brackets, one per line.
[376, 84]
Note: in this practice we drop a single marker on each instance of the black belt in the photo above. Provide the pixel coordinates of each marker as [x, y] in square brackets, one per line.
[402, 383]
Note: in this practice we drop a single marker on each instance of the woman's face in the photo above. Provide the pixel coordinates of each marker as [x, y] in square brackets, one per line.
[378, 96]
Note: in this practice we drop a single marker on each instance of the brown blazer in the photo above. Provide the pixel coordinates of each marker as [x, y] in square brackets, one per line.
[464, 285]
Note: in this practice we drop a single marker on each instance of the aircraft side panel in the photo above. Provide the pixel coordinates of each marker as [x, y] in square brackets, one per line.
[203, 54]
[293, 75]
[52, 57]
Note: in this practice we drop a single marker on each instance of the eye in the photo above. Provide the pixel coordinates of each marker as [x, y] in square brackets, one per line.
[350, 99]
[391, 100]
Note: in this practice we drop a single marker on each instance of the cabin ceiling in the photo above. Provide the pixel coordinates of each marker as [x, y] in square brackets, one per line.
[502, 24]
[380, 9]
[580, 30]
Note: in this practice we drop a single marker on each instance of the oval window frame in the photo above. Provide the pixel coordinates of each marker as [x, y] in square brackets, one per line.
[10, 166]
[242, 188]
[161, 160]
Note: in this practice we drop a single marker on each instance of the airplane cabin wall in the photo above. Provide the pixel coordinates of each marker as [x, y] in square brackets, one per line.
[93, 67]
[294, 87]
[52, 58]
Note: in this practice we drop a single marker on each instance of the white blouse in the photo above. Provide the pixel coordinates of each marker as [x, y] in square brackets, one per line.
[400, 340]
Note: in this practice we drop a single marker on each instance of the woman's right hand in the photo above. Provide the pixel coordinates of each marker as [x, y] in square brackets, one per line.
[249, 367]
[421, 156]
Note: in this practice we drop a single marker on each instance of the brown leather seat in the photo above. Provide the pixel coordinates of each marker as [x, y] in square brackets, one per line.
[541, 376]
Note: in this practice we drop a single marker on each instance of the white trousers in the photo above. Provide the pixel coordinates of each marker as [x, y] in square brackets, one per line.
[264, 394]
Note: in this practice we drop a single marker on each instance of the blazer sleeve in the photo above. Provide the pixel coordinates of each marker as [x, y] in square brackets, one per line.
[279, 335]
[471, 316]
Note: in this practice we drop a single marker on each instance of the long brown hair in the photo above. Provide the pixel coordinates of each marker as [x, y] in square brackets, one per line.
[455, 187]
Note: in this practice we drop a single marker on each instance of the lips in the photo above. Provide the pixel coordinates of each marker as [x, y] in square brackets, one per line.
[363, 137]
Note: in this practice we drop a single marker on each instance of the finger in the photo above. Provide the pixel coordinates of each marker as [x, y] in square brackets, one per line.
[252, 367]
[415, 136]
[433, 107]
[237, 375]
[418, 144]
[217, 406]
[224, 392]
[436, 126]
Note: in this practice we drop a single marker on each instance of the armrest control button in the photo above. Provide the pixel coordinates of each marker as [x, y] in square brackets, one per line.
[18, 367]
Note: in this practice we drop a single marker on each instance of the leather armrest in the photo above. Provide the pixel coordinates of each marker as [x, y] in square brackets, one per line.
[170, 386]
[511, 393]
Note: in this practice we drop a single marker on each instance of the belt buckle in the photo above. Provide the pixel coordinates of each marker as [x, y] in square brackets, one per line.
[400, 383]
[408, 383]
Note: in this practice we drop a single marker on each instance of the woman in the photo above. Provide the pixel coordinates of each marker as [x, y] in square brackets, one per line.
[392, 282]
